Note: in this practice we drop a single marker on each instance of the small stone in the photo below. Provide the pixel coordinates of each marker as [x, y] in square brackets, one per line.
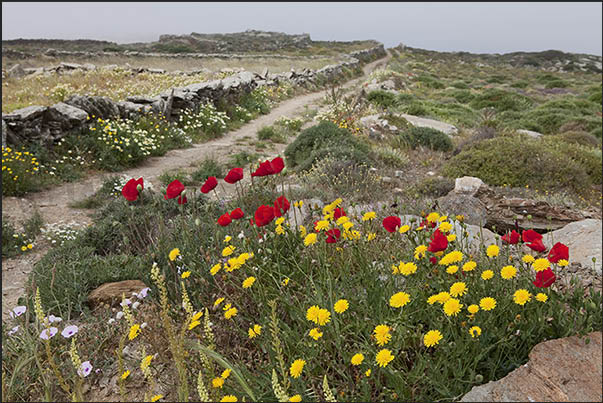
[386, 179]
[398, 174]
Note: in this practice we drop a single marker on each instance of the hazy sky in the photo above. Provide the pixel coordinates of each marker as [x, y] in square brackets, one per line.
[472, 27]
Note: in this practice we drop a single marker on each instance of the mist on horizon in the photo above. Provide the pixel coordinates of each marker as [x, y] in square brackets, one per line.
[469, 27]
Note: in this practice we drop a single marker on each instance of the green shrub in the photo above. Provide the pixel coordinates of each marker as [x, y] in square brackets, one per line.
[312, 143]
[520, 84]
[433, 187]
[556, 84]
[208, 167]
[428, 137]
[416, 109]
[519, 161]
[404, 98]
[581, 138]
[381, 98]
[171, 175]
[110, 189]
[67, 274]
[595, 94]
[587, 158]
[271, 133]
[501, 100]
[242, 158]
[462, 96]
[461, 85]
[597, 132]
[430, 82]
[392, 157]
[345, 155]
[16, 242]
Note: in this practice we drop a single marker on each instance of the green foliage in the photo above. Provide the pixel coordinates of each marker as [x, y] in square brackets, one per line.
[171, 175]
[581, 138]
[391, 156]
[556, 84]
[257, 101]
[428, 137]
[460, 85]
[550, 116]
[208, 167]
[16, 242]
[433, 187]
[462, 96]
[520, 84]
[271, 133]
[595, 94]
[430, 82]
[382, 98]
[322, 139]
[242, 158]
[519, 161]
[501, 100]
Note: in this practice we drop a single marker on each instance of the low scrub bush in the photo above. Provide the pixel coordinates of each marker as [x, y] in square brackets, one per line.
[15, 242]
[428, 137]
[322, 139]
[271, 133]
[501, 100]
[519, 161]
[382, 98]
[208, 167]
[581, 138]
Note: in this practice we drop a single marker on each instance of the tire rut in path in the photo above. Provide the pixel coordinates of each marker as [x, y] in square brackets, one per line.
[53, 204]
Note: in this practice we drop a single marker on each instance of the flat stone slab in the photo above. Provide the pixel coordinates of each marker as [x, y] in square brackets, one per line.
[434, 124]
[583, 238]
[561, 370]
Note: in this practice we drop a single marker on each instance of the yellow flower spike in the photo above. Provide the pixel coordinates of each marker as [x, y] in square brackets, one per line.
[194, 324]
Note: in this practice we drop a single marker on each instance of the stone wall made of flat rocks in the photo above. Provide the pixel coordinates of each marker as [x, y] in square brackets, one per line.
[50, 123]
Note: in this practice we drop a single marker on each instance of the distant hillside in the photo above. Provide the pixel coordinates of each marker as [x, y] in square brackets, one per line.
[550, 60]
[250, 41]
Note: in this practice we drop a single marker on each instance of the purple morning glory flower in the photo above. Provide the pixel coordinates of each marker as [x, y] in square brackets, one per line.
[126, 302]
[18, 311]
[48, 333]
[143, 293]
[69, 331]
[85, 369]
[52, 319]
[13, 330]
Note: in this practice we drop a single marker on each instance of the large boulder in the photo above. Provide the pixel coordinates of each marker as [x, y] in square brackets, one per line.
[62, 118]
[561, 370]
[583, 238]
[95, 106]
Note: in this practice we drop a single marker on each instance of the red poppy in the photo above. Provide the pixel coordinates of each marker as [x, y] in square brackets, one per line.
[439, 242]
[130, 189]
[182, 199]
[264, 215]
[530, 236]
[433, 260]
[425, 223]
[237, 214]
[277, 165]
[173, 190]
[545, 278]
[339, 212]
[558, 251]
[391, 223]
[224, 220]
[333, 235]
[234, 175]
[281, 204]
[537, 245]
[270, 167]
[511, 237]
[209, 185]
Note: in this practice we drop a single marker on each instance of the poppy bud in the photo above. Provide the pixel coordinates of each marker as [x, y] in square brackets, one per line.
[183, 193]
[139, 187]
[197, 222]
[479, 378]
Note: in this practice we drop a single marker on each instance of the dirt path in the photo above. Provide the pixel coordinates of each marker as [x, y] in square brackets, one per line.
[54, 204]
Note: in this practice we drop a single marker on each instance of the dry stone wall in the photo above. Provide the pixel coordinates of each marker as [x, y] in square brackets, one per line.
[49, 123]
